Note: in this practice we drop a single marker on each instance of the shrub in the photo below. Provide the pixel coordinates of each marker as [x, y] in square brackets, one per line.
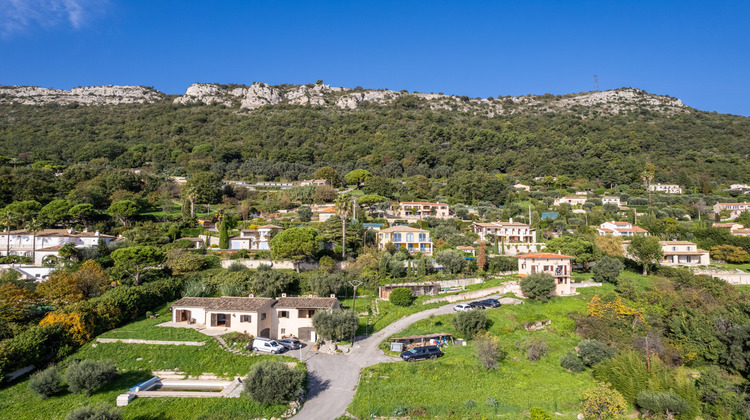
[572, 362]
[401, 297]
[98, 412]
[195, 288]
[451, 260]
[593, 352]
[470, 323]
[603, 403]
[536, 413]
[89, 375]
[487, 348]
[607, 270]
[336, 325]
[538, 286]
[536, 349]
[662, 402]
[271, 382]
[47, 382]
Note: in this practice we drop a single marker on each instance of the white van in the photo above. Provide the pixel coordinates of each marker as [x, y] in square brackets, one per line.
[267, 345]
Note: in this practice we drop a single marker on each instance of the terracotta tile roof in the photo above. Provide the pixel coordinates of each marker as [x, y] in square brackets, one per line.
[676, 243]
[306, 302]
[424, 203]
[51, 248]
[547, 255]
[402, 229]
[328, 210]
[224, 303]
[733, 204]
[468, 248]
[270, 227]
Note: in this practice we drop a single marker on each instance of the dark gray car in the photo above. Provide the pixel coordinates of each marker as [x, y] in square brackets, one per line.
[421, 353]
[290, 343]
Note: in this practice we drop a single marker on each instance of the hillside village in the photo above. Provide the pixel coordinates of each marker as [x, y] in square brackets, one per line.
[179, 273]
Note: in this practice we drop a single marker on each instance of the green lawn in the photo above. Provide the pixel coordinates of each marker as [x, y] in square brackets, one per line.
[17, 402]
[443, 387]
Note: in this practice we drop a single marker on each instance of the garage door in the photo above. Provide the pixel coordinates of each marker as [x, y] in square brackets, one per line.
[305, 333]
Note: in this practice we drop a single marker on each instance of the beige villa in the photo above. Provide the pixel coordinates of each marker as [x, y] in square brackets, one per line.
[404, 236]
[261, 317]
[420, 209]
[558, 266]
[683, 253]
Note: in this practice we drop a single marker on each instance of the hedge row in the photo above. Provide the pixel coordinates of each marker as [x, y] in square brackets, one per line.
[62, 332]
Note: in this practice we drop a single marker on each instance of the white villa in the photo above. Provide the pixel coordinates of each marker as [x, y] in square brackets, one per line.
[47, 242]
[620, 229]
[611, 200]
[261, 317]
[251, 239]
[666, 188]
[314, 182]
[509, 232]
[571, 200]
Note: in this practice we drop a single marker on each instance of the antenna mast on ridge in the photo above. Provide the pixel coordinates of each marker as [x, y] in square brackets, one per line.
[596, 82]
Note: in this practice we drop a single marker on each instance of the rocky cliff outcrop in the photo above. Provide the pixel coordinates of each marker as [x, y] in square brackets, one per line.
[92, 95]
[319, 94]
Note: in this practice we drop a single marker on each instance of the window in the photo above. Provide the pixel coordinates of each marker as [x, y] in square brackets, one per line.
[245, 318]
[283, 314]
[396, 237]
[262, 317]
[409, 237]
[283, 331]
[422, 237]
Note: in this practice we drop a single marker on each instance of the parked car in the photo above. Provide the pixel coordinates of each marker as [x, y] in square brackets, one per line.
[491, 303]
[291, 343]
[267, 345]
[476, 305]
[461, 307]
[421, 353]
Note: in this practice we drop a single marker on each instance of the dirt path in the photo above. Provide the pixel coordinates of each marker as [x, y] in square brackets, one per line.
[333, 379]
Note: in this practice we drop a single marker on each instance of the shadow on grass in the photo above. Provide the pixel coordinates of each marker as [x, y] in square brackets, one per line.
[125, 381]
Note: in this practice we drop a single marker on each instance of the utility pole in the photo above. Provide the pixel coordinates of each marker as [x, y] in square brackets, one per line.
[355, 284]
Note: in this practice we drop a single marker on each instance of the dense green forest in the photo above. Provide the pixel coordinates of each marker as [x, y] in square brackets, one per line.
[403, 138]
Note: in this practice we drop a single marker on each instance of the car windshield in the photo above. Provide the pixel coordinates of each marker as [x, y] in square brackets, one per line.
[273, 343]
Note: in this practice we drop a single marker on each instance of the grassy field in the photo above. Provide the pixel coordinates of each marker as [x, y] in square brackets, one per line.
[18, 403]
[443, 387]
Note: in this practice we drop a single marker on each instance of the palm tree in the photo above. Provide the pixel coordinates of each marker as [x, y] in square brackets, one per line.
[343, 207]
[7, 218]
[33, 226]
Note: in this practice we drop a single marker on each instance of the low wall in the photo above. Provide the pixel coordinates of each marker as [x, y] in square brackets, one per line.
[511, 287]
[731, 277]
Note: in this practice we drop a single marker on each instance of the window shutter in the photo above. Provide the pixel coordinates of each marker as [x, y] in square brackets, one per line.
[229, 320]
[213, 320]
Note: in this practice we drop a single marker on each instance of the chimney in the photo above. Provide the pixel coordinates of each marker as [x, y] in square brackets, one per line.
[283, 295]
[310, 295]
[511, 220]
[333, 295]
[96, 233]
[251, 295]
[70, 231]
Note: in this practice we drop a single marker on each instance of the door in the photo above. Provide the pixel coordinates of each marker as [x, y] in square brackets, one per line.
[265, 333]
[305, 333]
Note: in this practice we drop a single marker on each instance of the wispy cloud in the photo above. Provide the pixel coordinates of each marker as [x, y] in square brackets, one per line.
[22, 15]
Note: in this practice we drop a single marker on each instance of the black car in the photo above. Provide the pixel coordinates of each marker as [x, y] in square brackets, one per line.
[491, 303]
[421, 353]
[477, 304]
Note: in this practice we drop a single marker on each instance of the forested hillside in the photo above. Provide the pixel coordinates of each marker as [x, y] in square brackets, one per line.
[402, 138]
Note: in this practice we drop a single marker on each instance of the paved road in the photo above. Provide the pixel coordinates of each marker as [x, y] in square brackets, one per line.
[334, 378]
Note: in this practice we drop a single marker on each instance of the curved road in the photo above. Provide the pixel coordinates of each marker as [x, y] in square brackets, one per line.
[333, 379]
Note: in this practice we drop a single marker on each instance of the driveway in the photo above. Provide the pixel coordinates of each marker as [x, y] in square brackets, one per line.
[333, 379]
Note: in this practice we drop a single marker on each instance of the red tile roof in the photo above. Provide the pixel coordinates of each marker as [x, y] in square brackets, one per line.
[545, 255]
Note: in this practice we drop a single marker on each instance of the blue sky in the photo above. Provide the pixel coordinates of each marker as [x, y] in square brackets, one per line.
[696, 51]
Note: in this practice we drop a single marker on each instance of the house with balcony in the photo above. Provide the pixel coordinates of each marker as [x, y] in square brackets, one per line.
[611, 200]
[261, 317]
[255, 239]
[558, 266]
[420, 210]
[47, 242]
[735, 209]
[665, 188]
[620, 229]
[683, 253]
[414, 240]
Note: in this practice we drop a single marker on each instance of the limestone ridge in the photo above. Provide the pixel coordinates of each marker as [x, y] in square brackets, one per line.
[93, 95]
[260, 94]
